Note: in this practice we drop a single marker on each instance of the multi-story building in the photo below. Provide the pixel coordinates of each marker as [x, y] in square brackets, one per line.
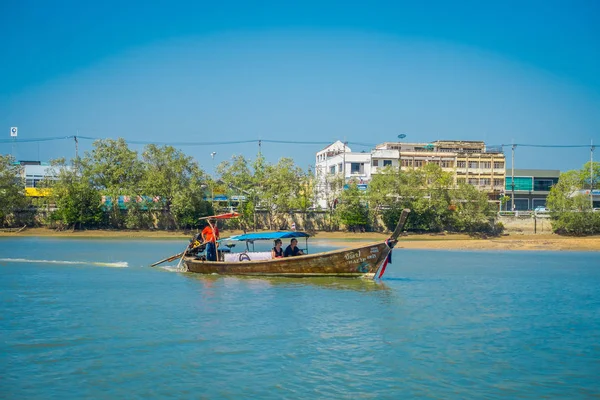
[339, 161]
[531, 188]
[468, 162]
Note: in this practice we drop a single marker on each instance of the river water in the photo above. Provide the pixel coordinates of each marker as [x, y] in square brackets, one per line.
[90, 319]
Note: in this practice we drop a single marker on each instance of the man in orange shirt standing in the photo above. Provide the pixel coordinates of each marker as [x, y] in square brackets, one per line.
[210, 235]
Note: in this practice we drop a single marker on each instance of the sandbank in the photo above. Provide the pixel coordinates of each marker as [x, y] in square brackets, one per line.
[512, 241]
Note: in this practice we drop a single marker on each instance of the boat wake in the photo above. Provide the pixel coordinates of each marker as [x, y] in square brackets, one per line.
[170, 268]
[118, 264]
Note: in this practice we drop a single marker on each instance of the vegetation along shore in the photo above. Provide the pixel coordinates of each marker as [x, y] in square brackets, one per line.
[161, 188]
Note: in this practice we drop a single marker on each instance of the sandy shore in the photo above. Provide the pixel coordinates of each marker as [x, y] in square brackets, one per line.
[537, 242]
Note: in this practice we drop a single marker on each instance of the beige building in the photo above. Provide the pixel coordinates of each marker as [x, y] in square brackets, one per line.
[469, 161]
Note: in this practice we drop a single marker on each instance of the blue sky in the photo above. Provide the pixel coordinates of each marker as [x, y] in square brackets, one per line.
[306, 71]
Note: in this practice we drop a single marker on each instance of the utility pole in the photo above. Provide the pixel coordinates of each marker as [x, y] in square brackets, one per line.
[344, 162]
[13, 134]
[591, 174]
[512, 179]
[76, 148]
[213, 154]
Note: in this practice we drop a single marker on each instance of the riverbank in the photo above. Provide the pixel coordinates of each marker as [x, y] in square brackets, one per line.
[513, 241]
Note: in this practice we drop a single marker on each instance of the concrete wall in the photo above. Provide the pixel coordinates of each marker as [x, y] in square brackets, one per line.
[525, 224]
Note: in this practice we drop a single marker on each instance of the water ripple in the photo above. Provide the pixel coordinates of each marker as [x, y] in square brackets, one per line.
[441, 325]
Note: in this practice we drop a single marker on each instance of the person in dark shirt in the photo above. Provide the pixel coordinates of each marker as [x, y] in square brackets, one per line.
[292, 250]
[277, 251]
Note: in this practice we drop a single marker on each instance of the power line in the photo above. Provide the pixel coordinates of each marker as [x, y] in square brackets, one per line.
[48, 139]
[542, 145]
[298, 142]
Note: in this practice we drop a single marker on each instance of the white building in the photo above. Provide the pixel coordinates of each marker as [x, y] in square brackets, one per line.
[34, 172]
[335, 165]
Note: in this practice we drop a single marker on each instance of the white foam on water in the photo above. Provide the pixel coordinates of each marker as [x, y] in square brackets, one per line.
[170, 268]
[118, 264]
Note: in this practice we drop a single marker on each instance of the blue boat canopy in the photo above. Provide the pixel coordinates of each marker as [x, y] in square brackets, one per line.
[268, 236]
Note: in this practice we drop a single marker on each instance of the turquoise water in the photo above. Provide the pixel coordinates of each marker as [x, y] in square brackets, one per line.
[89, 319]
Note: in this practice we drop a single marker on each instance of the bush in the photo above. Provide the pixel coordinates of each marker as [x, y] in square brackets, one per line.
[576, 223]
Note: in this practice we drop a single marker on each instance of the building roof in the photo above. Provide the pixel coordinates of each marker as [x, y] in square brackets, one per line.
[337, 142]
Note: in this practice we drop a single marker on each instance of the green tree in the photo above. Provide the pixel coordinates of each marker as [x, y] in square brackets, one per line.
[586, 176]
[561, 197]
[238, 179]
[473, 213]
[76, 199]
[112, 167]
[435, 202]
[426, 191]
[12, 189]
[115, 170]
[383, 192]
[283, 183]
[571, 211]
[179, 183]
[564, 195]
[352, 209]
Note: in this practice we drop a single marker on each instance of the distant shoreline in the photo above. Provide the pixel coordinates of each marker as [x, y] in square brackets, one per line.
[540, 242]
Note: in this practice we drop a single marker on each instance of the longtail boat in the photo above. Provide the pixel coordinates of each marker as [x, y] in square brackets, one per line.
[365, 261]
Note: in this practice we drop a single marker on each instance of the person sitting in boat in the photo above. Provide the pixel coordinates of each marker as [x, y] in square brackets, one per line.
[293, 250]
[210, 235]
[196, 245]
[277, 251]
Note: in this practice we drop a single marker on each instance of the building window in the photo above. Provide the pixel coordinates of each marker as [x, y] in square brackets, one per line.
[447, 164]
[486, 164]
[498, 165]
[485, 181]
[406, 162]
[498, 182]
[356, 168]
[340, 168]
[461, 164]
[375, 163]
[521, 183]
[332, 170]
[473, 164]
[387, 163]
[460, 181]
[543, 184]
[418, 163]
[521, 204]
[473, 181]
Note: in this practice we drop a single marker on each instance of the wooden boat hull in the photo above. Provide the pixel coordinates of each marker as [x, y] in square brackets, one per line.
[363, 261]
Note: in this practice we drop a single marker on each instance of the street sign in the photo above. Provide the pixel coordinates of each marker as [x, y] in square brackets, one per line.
[13, 131]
